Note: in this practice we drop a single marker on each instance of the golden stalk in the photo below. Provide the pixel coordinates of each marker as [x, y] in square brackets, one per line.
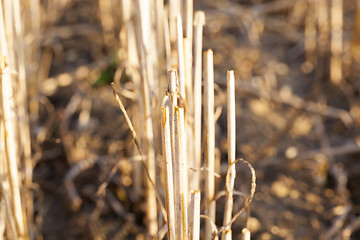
[231, 132]
[174, 11]
[246, 234]
[172, 96]
[11, 149]
[188, 79]
[132, 68]
[198, 33]
[22, 96]
[189, 20]
[167, 41]
[181, 59]
[150, 163]
[189, 121]
[10, 119]
[356, 34]
[194, 218]
[168, 172]
[310, 33]
[209, 140]
[336, 41]
[107, 21]
[181, 168]
[323, 23]
[138, 171]
[160, 34]
[34, 80]
[126, 10]
[147, 71]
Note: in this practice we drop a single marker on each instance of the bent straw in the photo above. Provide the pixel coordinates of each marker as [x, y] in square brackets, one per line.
[248, 199]
[231, 129]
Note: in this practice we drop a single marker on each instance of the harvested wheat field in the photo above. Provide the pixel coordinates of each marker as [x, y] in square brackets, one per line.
[179, 119]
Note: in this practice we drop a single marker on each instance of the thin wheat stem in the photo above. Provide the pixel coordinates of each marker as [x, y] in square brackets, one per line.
[231, 128]
[168, 172]
[336, 41]
[181, 168]
[194, 218]
[198, 33]
[209, 139]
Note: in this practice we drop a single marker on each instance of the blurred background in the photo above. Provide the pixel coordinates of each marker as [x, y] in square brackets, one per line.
[297, 75]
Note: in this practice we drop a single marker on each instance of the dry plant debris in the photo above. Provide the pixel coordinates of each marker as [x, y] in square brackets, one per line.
[69, 168]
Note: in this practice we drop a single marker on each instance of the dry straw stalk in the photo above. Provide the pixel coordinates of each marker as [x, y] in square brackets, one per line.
[209, 140]
[198, 33]
[231, 134]
[336, 41]
[181, 58]
[9, 121]
[168, 172]
[181, 166]
[194, 218]
[147, 72]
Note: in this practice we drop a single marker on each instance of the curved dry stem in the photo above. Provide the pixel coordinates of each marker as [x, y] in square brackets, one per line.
[223, 194]
[252, 191]
[214, 229]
